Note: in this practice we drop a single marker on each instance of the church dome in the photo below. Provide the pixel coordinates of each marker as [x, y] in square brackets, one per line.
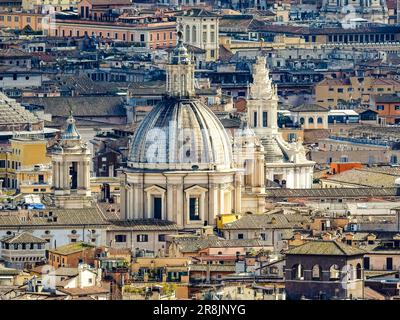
[180, 134]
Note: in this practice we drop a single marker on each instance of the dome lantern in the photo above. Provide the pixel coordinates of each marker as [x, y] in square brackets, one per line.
[180, 71]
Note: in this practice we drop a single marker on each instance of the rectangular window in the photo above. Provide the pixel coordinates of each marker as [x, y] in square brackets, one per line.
[157, 206]
[120, 238]
[212, 36]
[380, 107]
[396, 107]
[263, 236]
[255, 119]
[142, 238]
[194, 208]
[161, 238]
[240, 236]
[292, 136]
[340, 90]
[366, 263]
[389, 263]
[141, 38]
[265, 119]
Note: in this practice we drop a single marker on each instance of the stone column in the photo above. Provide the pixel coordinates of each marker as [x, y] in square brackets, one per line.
[136, 200]
[55, 175]
[131, 202]
[123, 203]
[80, 175]
[169, 205]
[202, 211]
[87, 174]
[59, 175]
[221, 201]
[238, 193]
[66, 175]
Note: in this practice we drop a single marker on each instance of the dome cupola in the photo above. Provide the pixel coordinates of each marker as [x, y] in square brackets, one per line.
[181, 132]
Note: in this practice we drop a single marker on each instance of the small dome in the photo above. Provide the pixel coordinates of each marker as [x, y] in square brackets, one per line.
[180, 134]
[70, 132]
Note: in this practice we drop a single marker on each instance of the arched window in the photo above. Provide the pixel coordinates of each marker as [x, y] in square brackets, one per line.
[298, 272]
[319, 120]
[310, 120]
[316, 272]
[301, 120]
[334, 272]
[359, 271]
[194, 34]
[187, 34]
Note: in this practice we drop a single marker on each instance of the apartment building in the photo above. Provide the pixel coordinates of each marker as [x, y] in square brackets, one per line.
[388, 108]
[329, 92]
[201, 29]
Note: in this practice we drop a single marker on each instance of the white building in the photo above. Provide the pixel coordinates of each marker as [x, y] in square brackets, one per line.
[286, 164]
[201, 29]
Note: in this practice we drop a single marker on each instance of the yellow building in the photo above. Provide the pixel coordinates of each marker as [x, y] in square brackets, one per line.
[20, 20]
[226, 218]
[57, 5]
[24, 165]
[328, 92]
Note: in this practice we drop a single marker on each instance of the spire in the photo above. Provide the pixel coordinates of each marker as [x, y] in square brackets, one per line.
[70, 132]
[180, 54]
[262, 86]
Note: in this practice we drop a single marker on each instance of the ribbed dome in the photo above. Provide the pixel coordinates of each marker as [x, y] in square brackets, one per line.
[180, 134]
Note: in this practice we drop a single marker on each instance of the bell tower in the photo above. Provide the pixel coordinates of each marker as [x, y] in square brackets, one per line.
[262, 103]
[71, 169]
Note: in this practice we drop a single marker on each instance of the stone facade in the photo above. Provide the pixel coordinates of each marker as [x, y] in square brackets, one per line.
[71, 170]
[285, 163]
[201, 29]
